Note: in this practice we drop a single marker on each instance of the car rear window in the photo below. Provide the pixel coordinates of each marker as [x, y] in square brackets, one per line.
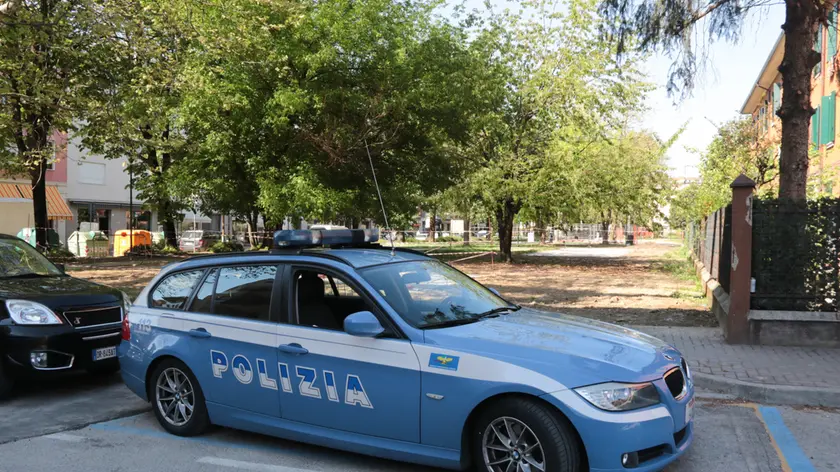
[174, 291]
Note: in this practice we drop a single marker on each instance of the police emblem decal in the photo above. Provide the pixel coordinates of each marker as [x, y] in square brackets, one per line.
[443, 361]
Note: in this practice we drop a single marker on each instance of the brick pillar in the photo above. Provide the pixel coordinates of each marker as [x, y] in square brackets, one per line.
[740, 273]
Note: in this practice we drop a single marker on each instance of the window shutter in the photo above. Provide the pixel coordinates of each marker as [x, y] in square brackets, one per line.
[827, 119]
[777, 97]
[815, 127]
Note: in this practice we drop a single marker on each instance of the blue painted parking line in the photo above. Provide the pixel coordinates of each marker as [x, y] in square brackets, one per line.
[795, 457]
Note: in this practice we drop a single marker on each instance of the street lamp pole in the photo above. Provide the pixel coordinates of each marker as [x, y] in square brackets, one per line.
[130, 205]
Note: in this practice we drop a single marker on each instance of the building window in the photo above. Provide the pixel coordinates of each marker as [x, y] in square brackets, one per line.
[91, 173]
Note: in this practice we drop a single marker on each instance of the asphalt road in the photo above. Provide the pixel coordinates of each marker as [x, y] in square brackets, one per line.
[730, 437]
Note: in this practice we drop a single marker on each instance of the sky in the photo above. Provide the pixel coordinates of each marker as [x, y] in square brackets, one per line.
[719, 92]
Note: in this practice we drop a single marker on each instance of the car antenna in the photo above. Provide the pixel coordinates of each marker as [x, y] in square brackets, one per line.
[384, 214]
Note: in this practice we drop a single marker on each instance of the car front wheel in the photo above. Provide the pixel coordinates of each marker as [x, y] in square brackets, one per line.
[177, 399]
[522, 435]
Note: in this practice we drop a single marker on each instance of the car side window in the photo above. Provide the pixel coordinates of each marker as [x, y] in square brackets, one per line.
[174, 291]
[324, 300]
[203, 301]
[245, 291]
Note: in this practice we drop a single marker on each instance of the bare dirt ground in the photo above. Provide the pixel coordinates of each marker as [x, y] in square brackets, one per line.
[645, 284]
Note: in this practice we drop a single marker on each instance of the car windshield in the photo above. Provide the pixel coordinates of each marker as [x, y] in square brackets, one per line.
[430, 294]
[19, 259]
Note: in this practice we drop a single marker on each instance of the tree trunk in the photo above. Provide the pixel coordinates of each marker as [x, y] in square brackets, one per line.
[796, 110]
[433, 225]
[168, 220]
[466, 231]
[605, 232]
[490, 229]
[505, 213]
[251, 218]
[39, 202]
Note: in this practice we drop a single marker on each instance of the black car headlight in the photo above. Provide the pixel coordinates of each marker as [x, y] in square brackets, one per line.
[25, 312]
[615, 396]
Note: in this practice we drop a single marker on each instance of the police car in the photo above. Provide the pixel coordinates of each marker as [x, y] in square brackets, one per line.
[334, 340]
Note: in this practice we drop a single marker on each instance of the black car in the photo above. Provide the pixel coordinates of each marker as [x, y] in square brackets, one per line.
[50, 321]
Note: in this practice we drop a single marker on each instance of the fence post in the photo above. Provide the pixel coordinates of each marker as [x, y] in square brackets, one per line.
[740, 270]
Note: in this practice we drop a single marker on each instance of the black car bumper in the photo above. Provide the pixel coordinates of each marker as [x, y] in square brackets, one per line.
[56, 348]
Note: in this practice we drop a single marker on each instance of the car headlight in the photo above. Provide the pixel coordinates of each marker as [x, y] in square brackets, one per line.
[614, 396]
[25, 312]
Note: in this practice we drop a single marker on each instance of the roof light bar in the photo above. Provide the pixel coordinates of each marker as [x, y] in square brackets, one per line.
[333, 237]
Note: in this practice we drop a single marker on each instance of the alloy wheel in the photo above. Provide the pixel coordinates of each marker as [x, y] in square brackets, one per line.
[509, 445]
[175, 396]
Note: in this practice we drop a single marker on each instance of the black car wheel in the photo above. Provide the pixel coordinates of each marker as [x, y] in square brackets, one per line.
[522, 435]
[6, 382]
[177, 399]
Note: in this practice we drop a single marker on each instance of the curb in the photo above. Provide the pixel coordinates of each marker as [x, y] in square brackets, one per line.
[769, 393]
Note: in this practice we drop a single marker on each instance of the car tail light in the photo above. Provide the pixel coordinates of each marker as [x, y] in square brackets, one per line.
[200, 243]
[126, 329]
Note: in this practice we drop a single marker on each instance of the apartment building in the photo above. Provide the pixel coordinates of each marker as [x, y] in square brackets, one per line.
[765, 98]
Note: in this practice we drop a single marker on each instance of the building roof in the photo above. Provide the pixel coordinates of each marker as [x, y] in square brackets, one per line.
[766, 76]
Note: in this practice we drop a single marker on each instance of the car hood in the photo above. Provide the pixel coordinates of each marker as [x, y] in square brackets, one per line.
[58, 292]
[576, 351]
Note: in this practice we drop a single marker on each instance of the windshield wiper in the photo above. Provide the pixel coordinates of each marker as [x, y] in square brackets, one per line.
[448, 323]
[494, 311]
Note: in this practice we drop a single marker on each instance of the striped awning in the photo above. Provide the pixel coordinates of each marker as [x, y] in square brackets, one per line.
[57, 208]
[9, 191]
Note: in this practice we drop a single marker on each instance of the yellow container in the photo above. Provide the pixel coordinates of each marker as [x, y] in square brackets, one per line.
[123, 240]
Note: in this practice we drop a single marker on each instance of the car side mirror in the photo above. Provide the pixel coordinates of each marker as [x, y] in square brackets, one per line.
[60, 267]
[364, 324]
[495, 292]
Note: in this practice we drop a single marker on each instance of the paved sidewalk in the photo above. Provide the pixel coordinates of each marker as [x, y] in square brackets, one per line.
[762, 370]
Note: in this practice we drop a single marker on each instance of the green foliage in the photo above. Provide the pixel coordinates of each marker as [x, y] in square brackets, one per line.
[556, 91]
[226, 246]
[50, 51]
[733, 151]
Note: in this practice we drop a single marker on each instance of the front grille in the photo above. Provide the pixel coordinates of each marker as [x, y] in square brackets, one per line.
[679, 436]
[651, 453]
[675, 381]
[89, 317]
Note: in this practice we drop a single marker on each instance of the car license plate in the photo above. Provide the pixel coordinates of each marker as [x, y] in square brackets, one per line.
[689, 410]
[104, 353]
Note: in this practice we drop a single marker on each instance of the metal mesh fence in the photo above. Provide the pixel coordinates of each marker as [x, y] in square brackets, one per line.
[796, 255]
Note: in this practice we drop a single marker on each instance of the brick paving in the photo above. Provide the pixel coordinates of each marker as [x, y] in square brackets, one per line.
[706, 352]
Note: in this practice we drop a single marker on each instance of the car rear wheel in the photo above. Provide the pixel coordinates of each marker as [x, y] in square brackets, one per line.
[177, 399]
[522, 435]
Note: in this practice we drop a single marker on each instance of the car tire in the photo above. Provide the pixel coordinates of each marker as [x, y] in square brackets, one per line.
[172, 404]
[547, 439]
[6, 382]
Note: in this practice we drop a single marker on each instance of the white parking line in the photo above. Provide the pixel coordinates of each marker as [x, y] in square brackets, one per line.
[65, 437]
[249, 465]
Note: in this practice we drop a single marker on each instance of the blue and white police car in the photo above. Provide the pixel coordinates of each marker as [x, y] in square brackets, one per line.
[334, 340]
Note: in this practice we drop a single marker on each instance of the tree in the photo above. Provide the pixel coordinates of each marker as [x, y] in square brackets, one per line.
[550, 74]
[49, 53]
[733, 151]
[135, 106]
[672, 27]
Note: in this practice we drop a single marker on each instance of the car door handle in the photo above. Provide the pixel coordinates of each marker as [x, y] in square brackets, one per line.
[293, 348]
[199, 333]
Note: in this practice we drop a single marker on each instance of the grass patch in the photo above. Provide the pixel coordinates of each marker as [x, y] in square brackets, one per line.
[678, 264]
